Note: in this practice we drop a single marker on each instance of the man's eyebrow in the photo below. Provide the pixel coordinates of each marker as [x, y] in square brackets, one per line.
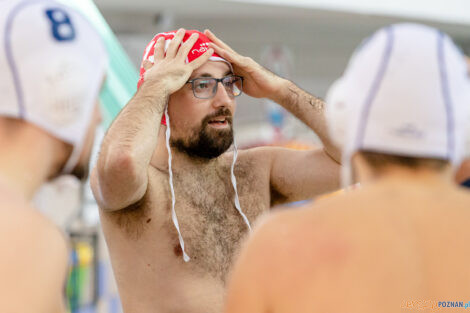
[204, 75]
[229, 72]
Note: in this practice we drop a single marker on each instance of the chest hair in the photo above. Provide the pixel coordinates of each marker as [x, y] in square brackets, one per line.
[211, 226]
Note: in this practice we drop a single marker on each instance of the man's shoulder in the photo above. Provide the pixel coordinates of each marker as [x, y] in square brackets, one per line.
[13, 210]
[26, 225]
[309, 235]
[25, 234]
[279, 231]
[463, 194]
[250, 151]
[287, 236]
[294, 226]
[255, 157]
[34, 247]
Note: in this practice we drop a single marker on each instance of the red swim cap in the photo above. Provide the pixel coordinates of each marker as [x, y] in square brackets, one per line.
[198, 49]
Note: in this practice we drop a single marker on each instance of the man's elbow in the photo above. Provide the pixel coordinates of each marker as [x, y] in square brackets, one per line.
[116, 183]
[117, 166]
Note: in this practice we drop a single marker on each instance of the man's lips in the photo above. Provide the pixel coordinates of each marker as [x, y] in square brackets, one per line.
[220, 121]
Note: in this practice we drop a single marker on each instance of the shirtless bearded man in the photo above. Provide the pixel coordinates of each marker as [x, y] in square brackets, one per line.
[149, 239]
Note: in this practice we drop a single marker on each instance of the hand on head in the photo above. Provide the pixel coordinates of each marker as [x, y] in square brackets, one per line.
[170, 67]
[259, 82]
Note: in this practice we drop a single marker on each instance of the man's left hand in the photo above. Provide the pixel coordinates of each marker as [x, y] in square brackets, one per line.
[259, 82]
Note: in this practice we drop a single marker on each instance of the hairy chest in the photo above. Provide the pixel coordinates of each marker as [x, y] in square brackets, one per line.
[210, 224]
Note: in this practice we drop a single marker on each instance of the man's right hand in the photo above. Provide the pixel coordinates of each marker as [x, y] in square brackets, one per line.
[259, 82]
[170, 69]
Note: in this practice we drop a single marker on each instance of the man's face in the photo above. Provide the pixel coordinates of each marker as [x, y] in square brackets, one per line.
[202, 127]
[82, 168]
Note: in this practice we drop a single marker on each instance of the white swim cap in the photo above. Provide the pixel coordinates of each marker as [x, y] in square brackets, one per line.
[52, 66]
[406, 92]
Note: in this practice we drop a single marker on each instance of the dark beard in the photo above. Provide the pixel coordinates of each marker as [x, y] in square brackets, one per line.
[206, 142]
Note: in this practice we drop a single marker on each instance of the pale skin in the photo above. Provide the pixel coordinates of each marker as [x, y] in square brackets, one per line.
[34, 261]
[130, 181]
[463, 173]
[399, 243]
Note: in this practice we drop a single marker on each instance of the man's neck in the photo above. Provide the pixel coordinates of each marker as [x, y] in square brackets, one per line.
[402, 175]
[180, 159]
[25, 167]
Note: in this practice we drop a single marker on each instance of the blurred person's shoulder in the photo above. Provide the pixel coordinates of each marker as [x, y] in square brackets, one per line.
[462, 196]
[306, 232]
[25, 233]
[348, 215]
[290, 232]
[34, 259]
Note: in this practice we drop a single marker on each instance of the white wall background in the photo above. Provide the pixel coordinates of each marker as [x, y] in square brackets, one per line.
[320, 40]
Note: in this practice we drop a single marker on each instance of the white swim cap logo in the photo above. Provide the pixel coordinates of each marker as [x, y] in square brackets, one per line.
[409, 130]
[63, 93]
[203, 48]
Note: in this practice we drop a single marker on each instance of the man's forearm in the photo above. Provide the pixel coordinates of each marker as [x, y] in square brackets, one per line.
[135, 130]
[310, 110]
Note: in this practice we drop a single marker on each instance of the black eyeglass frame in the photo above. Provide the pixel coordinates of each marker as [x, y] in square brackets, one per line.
[217, 80]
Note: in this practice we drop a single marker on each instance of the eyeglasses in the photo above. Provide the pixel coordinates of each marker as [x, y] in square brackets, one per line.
[206, 87]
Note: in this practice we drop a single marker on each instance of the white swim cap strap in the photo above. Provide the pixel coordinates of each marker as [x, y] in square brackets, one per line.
[346, 171]
[234, 184]
[172, 189]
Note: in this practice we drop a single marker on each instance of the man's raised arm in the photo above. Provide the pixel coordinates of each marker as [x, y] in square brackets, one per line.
[295, 175]
[120, 177]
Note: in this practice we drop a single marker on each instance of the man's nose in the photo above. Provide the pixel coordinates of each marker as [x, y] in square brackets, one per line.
[222, 96]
